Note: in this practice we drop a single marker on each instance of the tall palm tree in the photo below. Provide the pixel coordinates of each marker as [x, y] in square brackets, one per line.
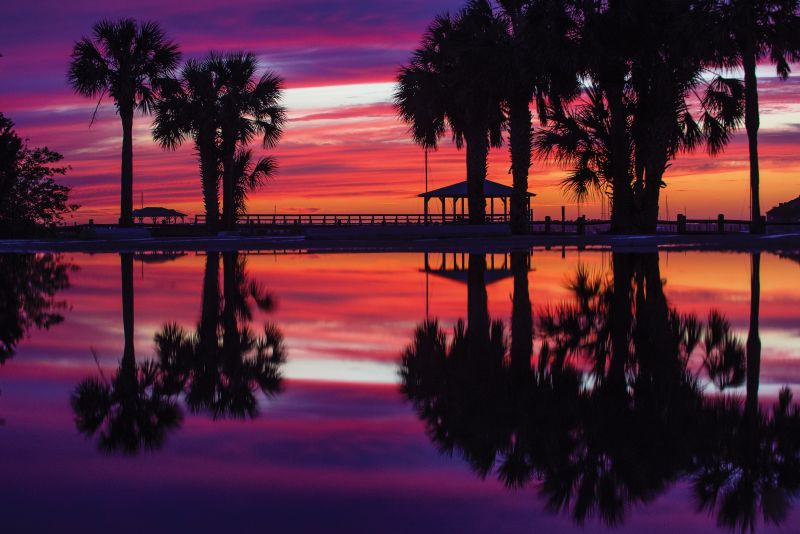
[451, 82]
[249, 107]
[541, 64]
[650, 98]
[669, 80]
[189, 106]
[124, 59]
[758, 30]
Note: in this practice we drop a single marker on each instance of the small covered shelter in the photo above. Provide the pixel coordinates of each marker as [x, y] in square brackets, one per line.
[459, 191]
[164, 215]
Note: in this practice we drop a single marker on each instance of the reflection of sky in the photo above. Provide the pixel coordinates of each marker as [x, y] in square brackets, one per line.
[347, 317]
[338, 447]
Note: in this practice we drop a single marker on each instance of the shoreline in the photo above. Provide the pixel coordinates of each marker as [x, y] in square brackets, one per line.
[618, 243]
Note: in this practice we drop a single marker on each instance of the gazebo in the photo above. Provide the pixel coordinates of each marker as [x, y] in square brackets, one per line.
[166, 215]
[491, 191]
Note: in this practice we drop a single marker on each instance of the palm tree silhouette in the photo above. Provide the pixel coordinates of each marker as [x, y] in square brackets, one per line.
[601, 428]
[219, 367]
[135, 410]
[650, 97]
[753, 337]
[669, 80]
[758, 30]
[249, 175]
[248, 107]
[125, 59]
[451, 83]
[190, 107]
[747, 467]
[540, 64]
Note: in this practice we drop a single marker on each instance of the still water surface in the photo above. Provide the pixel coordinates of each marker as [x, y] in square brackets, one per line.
[558, 390]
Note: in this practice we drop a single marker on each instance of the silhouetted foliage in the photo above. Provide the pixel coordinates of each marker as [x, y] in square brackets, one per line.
[754, 31]
[539, 54]
[124, 59]
[189, 106]
[29, 284]
[30, 198]
[222, 364]
[608, 415]
[249, 107]
[134, 411]
[451, 84]
[650, 96]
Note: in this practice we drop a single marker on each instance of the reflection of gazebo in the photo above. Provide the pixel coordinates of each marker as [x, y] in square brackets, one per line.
[166, 215]
[459, 191]
[455, 266]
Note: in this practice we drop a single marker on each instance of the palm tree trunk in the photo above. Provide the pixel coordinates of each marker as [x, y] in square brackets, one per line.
[654, 175]
[753, 338]
[521, 315]
[520, 128]
[622, 199]
[209, 318]
[477, 307]
[126, 180]
[751, 122]
[230, 332]
[477, 153]
[620, 319]
[209, 175]
[228, 186]
[128, 363]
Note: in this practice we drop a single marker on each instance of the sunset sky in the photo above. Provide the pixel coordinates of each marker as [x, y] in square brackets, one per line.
[344, 150]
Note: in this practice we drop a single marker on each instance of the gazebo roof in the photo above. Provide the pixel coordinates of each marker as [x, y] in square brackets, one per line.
[157, 212]
[490, 276]
[490, 190]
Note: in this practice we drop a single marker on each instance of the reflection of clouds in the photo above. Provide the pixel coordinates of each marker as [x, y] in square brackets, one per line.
[348, 314]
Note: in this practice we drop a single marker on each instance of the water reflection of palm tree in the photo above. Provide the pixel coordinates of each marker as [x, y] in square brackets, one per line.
[220, 367]
[132, 411]
[750, 464]
[611, 415]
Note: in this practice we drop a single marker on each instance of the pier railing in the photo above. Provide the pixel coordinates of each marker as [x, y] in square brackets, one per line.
[359, 219]
[579, 226]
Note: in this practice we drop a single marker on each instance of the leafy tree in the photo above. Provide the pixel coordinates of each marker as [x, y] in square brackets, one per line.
[30, 197]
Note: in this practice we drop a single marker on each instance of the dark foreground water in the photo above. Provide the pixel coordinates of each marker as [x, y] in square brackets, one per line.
[552, 391]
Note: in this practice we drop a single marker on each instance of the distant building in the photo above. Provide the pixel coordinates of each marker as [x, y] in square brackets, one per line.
[156, 214]
[785, 212]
